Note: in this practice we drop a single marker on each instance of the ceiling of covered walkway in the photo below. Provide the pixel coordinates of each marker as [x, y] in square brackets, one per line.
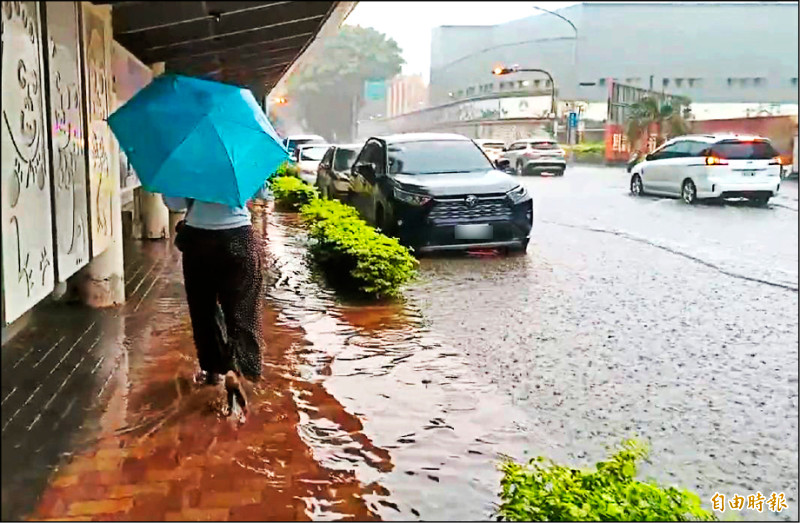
[253, 44]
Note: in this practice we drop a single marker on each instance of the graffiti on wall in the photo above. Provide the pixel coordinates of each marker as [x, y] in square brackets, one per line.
[28, 272]
[67, 137]
[102, 184]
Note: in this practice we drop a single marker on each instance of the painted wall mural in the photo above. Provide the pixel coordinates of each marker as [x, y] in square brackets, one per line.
[129, 76]
[67, 131]
[102, 180]
[28, 272]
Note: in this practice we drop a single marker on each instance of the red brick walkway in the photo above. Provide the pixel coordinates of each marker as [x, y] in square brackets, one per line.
[162, 450]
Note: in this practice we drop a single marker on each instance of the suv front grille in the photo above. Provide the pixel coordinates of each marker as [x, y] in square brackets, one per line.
[456, 210]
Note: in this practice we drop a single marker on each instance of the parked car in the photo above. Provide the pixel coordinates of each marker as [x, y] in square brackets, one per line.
[493, 148]
[292, 142]
[333, 173]
[536, 155]
[440, 192]
[710, 166]
[308, 158]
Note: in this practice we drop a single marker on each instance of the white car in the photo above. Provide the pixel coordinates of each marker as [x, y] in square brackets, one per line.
[493, 148]
[536, 155]
[296, 140]
[308, 158]
[710, 166]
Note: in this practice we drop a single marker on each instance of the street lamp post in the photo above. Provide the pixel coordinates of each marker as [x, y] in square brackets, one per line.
[573, 137]
[500, 71]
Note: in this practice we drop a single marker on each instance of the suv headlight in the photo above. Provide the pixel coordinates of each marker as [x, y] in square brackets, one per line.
[410, 198]
[517, 194]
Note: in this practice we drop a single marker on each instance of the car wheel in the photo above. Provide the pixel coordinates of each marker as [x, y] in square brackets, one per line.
[760, 201]
[637, 189]
[519, 169]
[560, 172]
[689, 192]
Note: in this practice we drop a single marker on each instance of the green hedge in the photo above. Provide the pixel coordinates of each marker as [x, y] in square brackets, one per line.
[351, 251]
[545, 491]
[587, 148]
[292, 193]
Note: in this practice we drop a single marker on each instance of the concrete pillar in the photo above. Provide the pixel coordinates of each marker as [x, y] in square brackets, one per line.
[102, 282]
[151, 218]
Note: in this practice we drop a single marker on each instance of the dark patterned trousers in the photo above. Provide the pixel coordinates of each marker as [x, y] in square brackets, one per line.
[222, 273]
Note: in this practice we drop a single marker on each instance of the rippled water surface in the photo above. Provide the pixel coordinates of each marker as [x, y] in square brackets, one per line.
[588, 339]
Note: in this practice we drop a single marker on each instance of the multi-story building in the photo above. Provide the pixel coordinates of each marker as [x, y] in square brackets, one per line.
[406, 94]
[718, 53]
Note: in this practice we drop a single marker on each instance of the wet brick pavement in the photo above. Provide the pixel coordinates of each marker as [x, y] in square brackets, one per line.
[136, 438]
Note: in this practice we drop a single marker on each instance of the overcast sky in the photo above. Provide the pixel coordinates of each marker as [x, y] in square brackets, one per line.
[410, 23]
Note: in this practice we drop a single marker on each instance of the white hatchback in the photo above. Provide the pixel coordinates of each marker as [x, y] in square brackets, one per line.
[710, 166]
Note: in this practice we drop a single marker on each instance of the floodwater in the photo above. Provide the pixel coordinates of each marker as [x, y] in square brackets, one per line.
[379, 394]
[627, 317]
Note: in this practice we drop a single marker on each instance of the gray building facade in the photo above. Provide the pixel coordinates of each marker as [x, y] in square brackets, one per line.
[712, 53]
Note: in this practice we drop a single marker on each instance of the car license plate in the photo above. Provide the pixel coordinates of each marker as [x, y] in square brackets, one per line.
[749, 173]
[474, 232]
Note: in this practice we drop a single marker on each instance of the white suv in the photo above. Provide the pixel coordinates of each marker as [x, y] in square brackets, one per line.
[710, 166]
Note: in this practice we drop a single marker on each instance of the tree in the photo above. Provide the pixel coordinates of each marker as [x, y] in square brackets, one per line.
[649, 113]
[329, 90]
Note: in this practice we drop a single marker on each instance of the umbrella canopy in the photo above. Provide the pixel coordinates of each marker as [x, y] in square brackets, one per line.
[198, 139]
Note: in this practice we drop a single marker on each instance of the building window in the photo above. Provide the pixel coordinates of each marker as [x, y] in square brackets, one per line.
[601, 82]
[758, 81]
[665, 82]
[470, 91]
[537, 83]
[793, 81]
[460, 93]
[679, 82]
[730, 82]
[547, 83]
[521, 84]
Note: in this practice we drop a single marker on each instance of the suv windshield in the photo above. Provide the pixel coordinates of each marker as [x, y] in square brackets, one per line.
[344, 159]
[543, 145]
[313, 154]
[736, 150]
[436, 157]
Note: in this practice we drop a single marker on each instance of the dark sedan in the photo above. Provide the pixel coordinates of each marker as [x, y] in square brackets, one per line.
[333, 173]
[439, 192]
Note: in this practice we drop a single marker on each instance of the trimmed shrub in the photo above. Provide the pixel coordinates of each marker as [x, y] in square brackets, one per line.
[288, 169]
[292, 193]
[351, 251]
[545, 491]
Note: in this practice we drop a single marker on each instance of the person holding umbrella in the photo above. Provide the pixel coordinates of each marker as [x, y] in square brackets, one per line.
[209, 148]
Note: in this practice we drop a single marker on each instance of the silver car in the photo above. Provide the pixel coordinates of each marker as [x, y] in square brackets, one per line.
[536, 155]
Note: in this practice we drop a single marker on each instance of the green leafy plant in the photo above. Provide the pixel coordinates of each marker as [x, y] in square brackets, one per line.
[287, 169]
[669, 121]
[542, 490]
[292, 193]
[354, 254]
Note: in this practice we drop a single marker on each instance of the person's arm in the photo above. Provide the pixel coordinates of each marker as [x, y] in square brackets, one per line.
[175, 204]
[263, 193]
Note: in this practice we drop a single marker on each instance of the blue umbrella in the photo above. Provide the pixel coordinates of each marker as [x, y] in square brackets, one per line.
[198, 139]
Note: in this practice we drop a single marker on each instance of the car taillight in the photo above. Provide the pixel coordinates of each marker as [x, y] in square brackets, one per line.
[713, 160]
[776, 161]
[531, 154]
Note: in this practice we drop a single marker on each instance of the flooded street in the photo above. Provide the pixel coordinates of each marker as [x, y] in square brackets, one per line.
[627, 317]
